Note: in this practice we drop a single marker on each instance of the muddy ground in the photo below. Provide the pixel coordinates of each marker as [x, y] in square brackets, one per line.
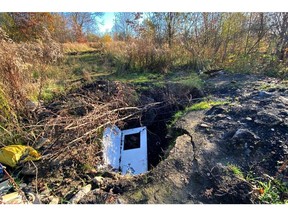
[192, 162]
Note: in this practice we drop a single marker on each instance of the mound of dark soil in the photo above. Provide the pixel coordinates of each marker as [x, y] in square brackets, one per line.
[224, 146]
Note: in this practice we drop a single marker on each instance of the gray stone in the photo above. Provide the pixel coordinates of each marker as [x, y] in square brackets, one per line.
[81, 193]
[41, 142]
[268, 119]
[31, 106]
[98, 180]
[28, 169]
[284, 113]
[284, 100]
[244, 136]
[54, 200]
[264, 94]
[204, 125]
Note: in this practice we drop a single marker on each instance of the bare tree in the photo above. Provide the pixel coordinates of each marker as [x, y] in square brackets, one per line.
[122, 28]
[82, 23]
[279, 33]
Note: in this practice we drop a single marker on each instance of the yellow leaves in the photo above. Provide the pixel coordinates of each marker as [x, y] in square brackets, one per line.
[106, 38]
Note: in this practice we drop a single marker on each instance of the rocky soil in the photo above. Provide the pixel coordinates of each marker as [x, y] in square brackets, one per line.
[202, 149]
[250, 132]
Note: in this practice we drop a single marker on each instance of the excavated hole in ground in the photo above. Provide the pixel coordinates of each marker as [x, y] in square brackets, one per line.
[160, 139]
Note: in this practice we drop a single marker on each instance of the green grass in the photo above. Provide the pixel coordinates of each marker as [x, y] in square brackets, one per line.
[50, 90]
[272, 190]
[236, 170]
[188, 79]
[203, 105]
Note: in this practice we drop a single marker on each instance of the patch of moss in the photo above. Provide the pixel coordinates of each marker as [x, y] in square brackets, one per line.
[204, 105]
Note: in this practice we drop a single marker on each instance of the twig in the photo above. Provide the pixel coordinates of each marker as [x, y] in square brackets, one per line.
[15, 185]
[36, 179]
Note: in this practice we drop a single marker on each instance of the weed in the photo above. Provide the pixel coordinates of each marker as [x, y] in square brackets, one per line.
[272, 191]
[137, 78]
[176, 117]
[87, 167]
[265, 86]
[236, 170]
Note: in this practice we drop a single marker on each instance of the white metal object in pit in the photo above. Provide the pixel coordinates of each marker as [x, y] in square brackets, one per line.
[123, 156]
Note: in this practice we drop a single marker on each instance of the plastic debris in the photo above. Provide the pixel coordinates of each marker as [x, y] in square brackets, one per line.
[75, 199]
[11, 198]
[5, 187]
[17, 197]
[13, 154]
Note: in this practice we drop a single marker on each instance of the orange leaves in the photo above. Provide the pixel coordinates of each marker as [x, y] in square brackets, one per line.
[29, 25]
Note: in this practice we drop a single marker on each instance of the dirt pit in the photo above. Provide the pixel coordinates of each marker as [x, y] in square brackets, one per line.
[69, 133]
[158, 140]
[197, 165]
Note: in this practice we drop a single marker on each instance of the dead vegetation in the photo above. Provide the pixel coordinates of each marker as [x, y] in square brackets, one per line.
[77, 119]
[68, 134]
[19, 64]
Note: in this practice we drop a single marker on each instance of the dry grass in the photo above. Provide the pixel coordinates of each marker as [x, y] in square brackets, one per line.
[19, 62]
[76, 47]
[140, 55]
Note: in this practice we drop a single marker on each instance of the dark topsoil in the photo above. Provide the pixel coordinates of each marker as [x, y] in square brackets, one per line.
[250, 132]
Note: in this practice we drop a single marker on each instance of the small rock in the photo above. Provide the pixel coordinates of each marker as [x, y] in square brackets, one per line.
[55, 162]
[284, 113]
[280, 106]
[204, 125]
[120, 201]
[31, 106]
[28, 169]
[284, 100]
[244, 136]
[268, 119]
[272, 129]
[41, 142]
[247, 152]
[264, 94]
[54, 200]
[98, 181]
[81, 193]
[248, 119]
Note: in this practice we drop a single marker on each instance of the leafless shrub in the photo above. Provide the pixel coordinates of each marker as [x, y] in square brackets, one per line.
[141, 55]
[74, 122]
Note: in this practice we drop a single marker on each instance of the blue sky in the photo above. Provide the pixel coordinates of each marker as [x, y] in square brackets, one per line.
[108, 22]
